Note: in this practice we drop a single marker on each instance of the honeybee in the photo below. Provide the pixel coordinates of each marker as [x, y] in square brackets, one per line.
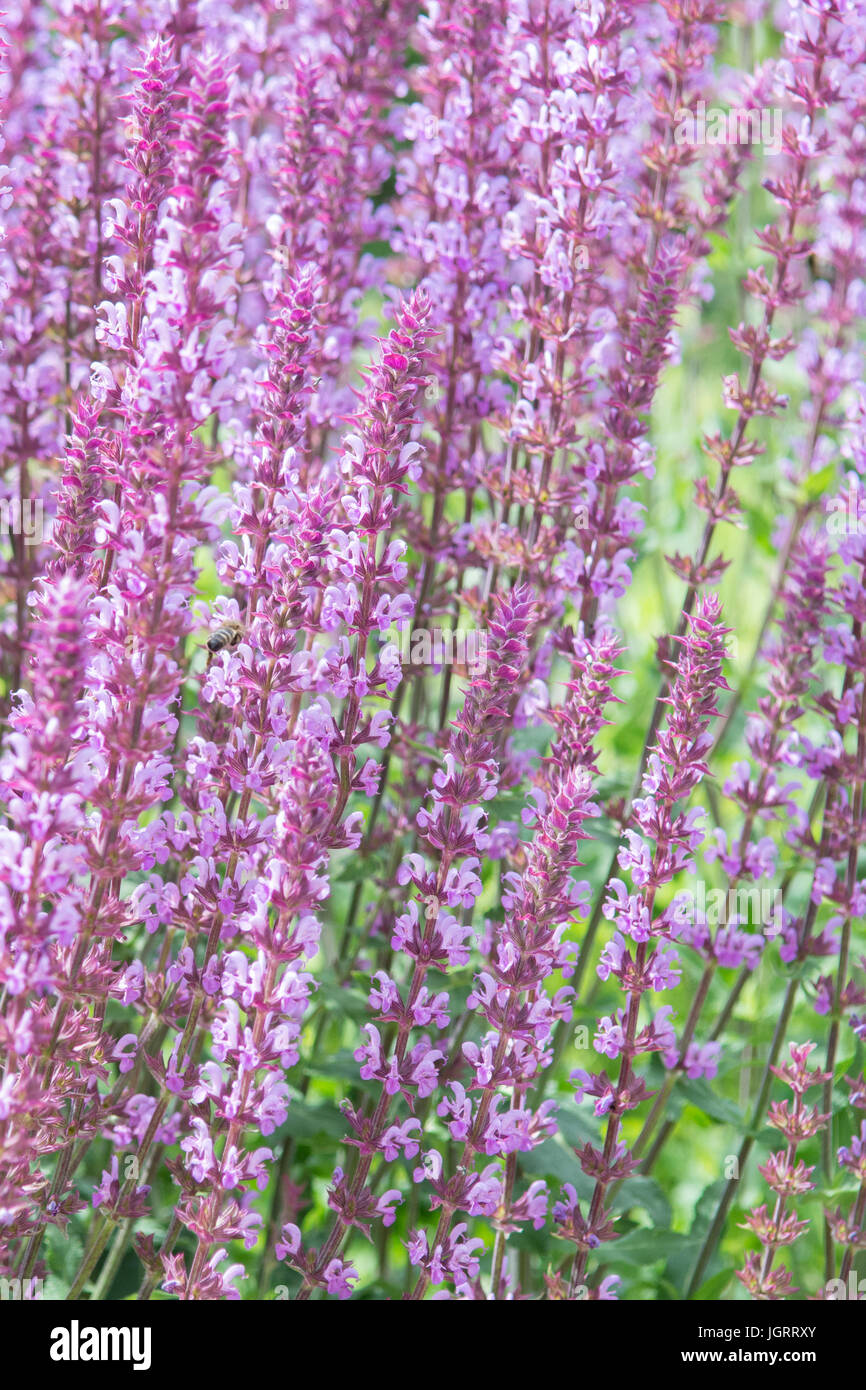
[228, 635]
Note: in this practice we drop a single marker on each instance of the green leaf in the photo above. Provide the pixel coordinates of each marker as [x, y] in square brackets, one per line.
[705, 1207]
[63, 1252]
[343, 1066]
[55, 1289]
[306, 1121]
[507, 807]
[575, 1127]
[712, 1289]
[551, 1160]
[816, 484]
[535, 740]
[643, 1247]
[343, 1000]
[646, 1193]
[699, 1093]
[356, 869]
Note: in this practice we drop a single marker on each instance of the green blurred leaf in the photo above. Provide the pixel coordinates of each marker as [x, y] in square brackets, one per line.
[713, 1289]
[700, 1094]
[343, 1000]
[575, 1127]
[644, 1192]
[817, 484]
[357, 870]
[551, 1160]
[306, 1121]
[342, 1065]
[705, 1207]
[643, 1247]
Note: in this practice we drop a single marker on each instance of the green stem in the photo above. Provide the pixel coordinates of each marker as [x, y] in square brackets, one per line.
[712, 1238]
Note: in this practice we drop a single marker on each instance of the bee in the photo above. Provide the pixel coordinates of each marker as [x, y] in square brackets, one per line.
[819, 272]
[228, 635]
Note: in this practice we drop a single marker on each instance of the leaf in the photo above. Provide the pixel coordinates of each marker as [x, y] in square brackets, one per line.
[306, 1121]
[551, 1160]
[356, 869]
[343, 1066]
[534, 740]
[343, 1000]
[816, 484]
[705, 1207]
[713, 1289]
[644, 1192]
[838, 1194]
[643, 1247]
[508, 807]
[55, 1289]
[841, 1100]
[575, 1127]
[63, 1252]
[700, 1094]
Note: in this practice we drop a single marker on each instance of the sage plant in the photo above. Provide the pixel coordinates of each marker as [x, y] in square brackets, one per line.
[432, 603]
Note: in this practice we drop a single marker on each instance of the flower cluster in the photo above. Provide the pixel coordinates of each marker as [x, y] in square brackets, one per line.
[785, 1175]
